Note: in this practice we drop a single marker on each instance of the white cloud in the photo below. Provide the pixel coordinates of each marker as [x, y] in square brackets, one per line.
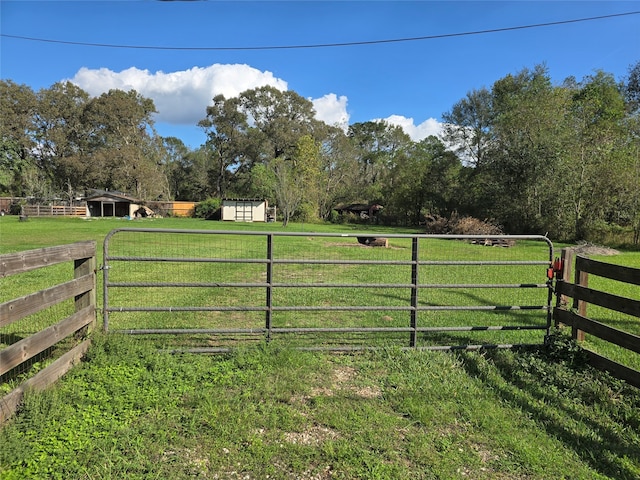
[431, 126]
[332, 110]
[180, 97]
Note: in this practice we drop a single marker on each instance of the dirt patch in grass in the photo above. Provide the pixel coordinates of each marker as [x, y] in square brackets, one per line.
[193, 462]
[591, 249]
[314, 436]
[344, 378]
[357, 245]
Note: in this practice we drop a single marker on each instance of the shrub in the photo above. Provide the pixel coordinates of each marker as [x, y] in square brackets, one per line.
[208, 209]
[306, 212]
[461, 225]
[345, 218]
[474, 226]
[437, 225]
[334, 217]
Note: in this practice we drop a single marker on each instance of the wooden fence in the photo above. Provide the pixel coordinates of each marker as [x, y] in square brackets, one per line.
[82, 288]
[575, 315]
[54, 210]
[175, 208]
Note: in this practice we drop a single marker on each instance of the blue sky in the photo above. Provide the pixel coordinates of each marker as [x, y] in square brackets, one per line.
[193, 50]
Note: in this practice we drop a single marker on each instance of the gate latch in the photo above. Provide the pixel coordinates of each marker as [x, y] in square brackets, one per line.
[556, 269]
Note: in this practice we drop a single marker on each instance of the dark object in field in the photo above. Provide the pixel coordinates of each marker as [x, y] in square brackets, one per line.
[373, 241]
[495, 242]
[23, 218]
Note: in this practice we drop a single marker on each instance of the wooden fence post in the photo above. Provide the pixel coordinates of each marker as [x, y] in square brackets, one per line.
[567, 257]
[82, 267]
[581, 278]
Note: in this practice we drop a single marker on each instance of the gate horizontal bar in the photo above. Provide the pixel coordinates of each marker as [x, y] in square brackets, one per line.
[487, 307]
[325, 262]
[321, 285]
[484, 346]
[186, 309]
[186, 260]
[330, 308]
[325, 234]
[405, 329]
[342, 348]
[192, 331]
[186, 284]
[258, 331]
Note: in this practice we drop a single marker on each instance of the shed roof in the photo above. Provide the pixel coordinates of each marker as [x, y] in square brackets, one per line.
[360, 207]
[243, 200]
[109, 196]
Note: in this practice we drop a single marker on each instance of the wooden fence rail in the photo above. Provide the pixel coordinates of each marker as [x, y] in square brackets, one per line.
[82, 288]
[54, 210]
[575, 315]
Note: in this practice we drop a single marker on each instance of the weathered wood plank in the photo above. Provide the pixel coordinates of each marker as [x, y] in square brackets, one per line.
[608, 270]
[23, 350]
[580, 278]
[43, 379]
[629, 375]
[82, 267]
[602, 299]
[12, 263]
[19, 308]
[600, 330]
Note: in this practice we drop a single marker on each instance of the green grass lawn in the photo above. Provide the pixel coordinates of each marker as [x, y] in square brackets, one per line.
[131, 410]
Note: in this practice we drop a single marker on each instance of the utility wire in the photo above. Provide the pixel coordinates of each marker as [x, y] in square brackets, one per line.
[326, 45]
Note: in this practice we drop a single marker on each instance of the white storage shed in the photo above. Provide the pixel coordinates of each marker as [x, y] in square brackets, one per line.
[247, 210]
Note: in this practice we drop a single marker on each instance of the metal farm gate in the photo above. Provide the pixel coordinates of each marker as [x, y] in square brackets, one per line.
[206, 290]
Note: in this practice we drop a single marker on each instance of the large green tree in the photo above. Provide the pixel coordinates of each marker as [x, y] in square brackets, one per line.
[425, 182]
[125, 154]
[631, 88]
[339, 171]
[468, 127]
[378, 145]
[226, 127]
[631, 206]
[61, 134]
[264, 137]
[596, 155]
[292, 181]
[187, 170]
[61, 142]
[17, 164]
[278, 119]
[524, 169]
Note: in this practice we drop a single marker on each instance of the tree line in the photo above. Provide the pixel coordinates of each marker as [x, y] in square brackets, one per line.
[531, 156]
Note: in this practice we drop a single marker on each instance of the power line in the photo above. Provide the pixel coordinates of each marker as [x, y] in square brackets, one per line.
[326, 45]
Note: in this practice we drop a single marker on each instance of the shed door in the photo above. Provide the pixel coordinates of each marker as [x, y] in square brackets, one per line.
[108, 209]
[244, 212]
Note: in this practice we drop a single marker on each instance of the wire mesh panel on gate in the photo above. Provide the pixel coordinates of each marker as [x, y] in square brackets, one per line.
[322, 289]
